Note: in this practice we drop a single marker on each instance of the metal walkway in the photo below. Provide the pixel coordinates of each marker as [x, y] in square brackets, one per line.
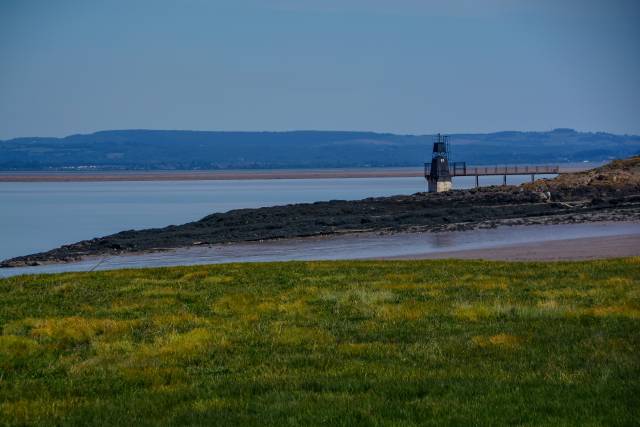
[461, 169]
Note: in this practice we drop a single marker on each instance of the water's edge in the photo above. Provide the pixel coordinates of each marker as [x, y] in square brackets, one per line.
[353, 246]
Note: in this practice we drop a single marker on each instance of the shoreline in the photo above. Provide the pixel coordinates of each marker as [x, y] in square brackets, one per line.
[227, 175]
[87, 250]
[460, 228]
[533, 242]
[578, 249]
[609, 193]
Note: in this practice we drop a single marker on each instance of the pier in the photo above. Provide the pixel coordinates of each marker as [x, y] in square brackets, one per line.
[440, 170]
[461, 169]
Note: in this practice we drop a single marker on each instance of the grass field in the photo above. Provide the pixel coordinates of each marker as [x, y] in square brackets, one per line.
[339, 343]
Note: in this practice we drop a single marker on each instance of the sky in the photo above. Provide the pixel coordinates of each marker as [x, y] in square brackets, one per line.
[401, 66]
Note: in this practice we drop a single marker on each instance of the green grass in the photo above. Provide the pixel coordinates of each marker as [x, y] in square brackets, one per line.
[336, 343]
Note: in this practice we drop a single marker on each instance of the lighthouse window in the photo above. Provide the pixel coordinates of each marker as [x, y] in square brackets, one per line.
[441, 160]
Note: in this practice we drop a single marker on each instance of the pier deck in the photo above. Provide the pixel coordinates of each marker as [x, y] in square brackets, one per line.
[461, 169]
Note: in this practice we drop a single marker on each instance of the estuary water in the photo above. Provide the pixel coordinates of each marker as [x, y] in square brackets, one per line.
[38, 216]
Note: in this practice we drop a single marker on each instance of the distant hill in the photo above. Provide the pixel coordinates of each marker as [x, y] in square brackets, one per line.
[189, 150]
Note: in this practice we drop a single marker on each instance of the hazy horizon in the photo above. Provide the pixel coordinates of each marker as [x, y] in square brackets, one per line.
[315, 130]
[403, 67]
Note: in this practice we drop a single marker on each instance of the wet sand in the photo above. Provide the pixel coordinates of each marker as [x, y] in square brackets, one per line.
[525, 243]
[559, 250]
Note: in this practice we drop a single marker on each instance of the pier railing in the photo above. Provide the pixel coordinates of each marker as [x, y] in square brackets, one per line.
[461, 169]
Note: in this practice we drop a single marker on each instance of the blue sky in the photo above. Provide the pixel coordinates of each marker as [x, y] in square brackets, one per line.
[403, 66]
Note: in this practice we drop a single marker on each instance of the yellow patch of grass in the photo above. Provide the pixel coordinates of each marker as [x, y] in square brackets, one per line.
[27, 412]
[618, 310]
[63, 288]
[160, 292]
[169, 389]
[108, 355]
[506, 341]
[408, 311]
[143, 361]
[16, 327]
[217, 280]
[188, 345]
[357, 301]
[618, 281]
[400, 277]
[433, 293]
[365, 296]
[368, 348]
[152, 375]
[204, 405]
[87, 309]
[566, 293]
[296, 308]
[78, 329]
[472, 312]
[400, 286]
[560, 374]
[235, 304]
[491, 284]
[140, 282]
[14, 348]
[549, 305]
[323, 279]
[124, 306]
[159, 303]
[295, 335]
[166, 292]
[152, 302]
[179, 320]
[354, 349]
[478, 312]
[468, 277]
[194, 276]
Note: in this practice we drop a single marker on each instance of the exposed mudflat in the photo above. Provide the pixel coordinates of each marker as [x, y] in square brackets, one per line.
[583, 248]
[533, 242]
[610, 193]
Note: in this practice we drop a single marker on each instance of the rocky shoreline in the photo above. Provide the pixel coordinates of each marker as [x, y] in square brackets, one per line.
[609, 193]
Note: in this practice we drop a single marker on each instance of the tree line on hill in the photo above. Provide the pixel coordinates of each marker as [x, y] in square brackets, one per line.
[204, 150]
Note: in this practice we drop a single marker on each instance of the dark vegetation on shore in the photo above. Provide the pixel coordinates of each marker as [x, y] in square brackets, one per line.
[324, 343]
[611, 192]
[199, 150]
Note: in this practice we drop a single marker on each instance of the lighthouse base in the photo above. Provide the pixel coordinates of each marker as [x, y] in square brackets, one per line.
[439, 185]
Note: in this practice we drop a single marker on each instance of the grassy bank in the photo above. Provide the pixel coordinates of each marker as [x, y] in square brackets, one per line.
[341, 343]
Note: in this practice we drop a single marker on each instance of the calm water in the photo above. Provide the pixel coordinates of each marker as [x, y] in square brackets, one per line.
[35, 217]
